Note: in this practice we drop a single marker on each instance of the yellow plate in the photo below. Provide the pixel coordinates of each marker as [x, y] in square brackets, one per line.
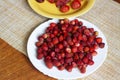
[51, 11]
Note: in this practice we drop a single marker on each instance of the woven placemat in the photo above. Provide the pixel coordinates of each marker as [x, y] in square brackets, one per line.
[18, 20]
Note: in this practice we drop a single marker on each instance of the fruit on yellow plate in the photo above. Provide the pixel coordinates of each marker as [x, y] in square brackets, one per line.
[51, 11]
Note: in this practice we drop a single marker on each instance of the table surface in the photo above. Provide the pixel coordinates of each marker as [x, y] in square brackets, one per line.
[16, 66]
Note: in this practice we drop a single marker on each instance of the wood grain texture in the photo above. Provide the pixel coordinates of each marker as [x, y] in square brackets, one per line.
[16, 66]
[117, 1]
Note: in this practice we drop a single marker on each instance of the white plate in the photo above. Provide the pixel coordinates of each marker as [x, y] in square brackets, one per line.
[54, 72]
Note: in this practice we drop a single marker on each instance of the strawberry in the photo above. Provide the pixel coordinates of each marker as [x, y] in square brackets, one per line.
[40, 1]
[87, 32]
[69, 68]
[85, 60]
[49, 63]
[40, 56]
[90, 62]
[74, 64]
[61, 38]
[101, 45]
[53, 24]
[38, 44]
[74, 49]
[75, 4]
[64, 8]
[68, 60]
[86, 49]
[60, 46]
[56, 62]
[55, 40]
[98, 40]
[67, 55]
[80, 62]
[51, 1]
[81, 55]
[61, 68]
[83, 69]
[76, 57]
[94, 53]
[68, 50]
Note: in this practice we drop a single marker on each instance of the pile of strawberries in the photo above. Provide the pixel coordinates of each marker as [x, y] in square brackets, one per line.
[68, 44]
[63, 4]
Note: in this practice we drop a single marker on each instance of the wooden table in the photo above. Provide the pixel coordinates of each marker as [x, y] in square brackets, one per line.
[16, 66]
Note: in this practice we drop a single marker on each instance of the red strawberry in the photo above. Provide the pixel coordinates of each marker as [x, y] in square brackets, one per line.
[91, 39]
[72, 22]
[76, 4]
[61, 38]
[62, 61]
[59, 3]
[98, 40]
[91, 30]
[80, 36]
[68, 50]
[76, 57]
[60, 46]
[55, 40]
[74, 64]
[40, 1]
[90, 62]
[89, 56]
[53, 24]
[62, 54]
[80, 48]
[94, 53]
[40, 56]
[101, 45]
[67, 55]
[51, 1]
[83, 69]
[64, 8]
[68, 60]
[39, 50]
[85, 60]
[86, 49]
[48, 63]
[87, 32]
[80, 62]
[61, 68]
[80, 23]
[38, 44]
[74, 49]
[69, 68]
[52, 54]
[81, 55]
[55, 32]
[56, 62]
